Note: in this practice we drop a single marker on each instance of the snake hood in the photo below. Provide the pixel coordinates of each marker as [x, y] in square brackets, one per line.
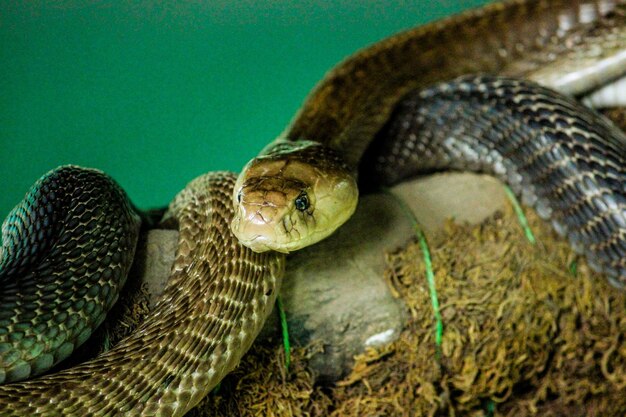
[291, 196]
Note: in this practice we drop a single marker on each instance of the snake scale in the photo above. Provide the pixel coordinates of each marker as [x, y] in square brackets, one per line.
[567, 163]
[220, 292]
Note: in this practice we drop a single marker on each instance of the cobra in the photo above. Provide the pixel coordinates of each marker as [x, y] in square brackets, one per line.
[219, 292]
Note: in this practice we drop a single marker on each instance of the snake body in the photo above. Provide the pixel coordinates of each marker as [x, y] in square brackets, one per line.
[67, 249]
[567, 162]
[219, 292]
[356, 98]
[217, 297]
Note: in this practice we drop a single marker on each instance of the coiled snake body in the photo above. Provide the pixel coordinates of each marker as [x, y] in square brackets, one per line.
[220, 292]
[567, 163]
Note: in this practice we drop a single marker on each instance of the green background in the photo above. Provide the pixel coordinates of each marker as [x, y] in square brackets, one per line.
[156, 93]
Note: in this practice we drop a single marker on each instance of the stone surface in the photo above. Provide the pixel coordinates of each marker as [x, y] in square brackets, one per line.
[333, 292]
[154, 258]
[465, 197]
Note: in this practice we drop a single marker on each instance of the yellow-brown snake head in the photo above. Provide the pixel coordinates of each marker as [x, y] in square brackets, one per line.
[292, 196]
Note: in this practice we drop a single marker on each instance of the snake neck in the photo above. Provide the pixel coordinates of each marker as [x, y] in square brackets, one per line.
[355, 99]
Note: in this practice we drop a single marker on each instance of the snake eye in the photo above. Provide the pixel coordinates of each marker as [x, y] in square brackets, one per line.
[239, 197]
[302, 202]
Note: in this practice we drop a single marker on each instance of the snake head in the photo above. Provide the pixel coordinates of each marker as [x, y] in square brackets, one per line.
[292, 196]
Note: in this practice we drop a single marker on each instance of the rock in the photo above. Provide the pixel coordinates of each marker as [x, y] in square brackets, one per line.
[333, 292]
[153, 260]
[465, 197]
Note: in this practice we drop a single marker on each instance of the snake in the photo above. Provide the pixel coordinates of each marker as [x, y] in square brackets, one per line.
[77, 229]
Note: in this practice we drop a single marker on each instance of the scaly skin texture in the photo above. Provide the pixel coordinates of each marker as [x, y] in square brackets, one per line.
[351, 104]
[282, 197]
[67, 249]
[219, 293]
[216, 300]
[565, 160]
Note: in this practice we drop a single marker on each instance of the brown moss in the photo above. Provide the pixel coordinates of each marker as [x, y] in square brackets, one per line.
[262, 386]
[520, 330]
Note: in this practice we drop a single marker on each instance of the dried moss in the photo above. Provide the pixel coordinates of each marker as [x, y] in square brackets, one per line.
[617, 115]
[521, 331]
[262, 386]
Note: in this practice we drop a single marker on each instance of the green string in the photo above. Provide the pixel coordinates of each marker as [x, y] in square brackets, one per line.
[520, 215]
[573, 268]
[491, 408]
[285, 329]
[430, 276]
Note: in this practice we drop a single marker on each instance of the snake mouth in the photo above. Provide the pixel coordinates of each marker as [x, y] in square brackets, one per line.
[264, 228]
[260, 244]
[250, 240]
[264, 207]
